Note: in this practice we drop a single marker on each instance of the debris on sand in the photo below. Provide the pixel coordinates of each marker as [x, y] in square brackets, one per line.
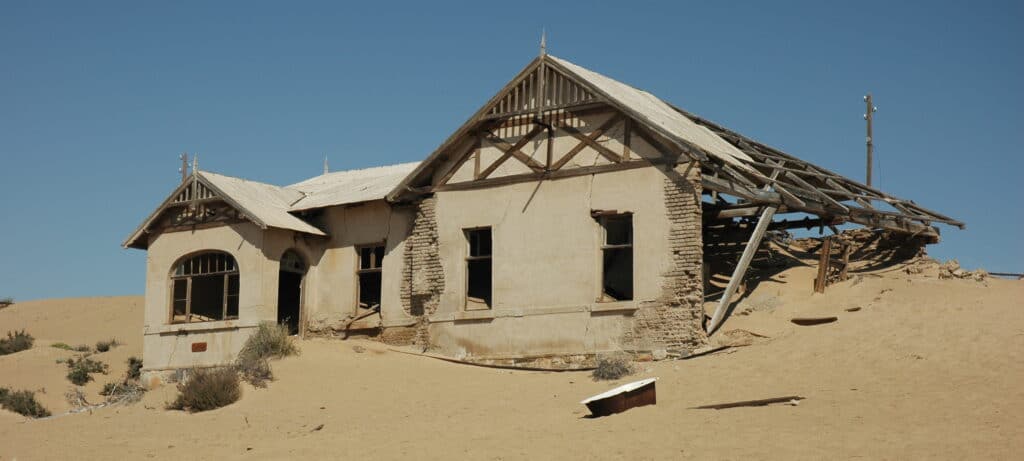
[792, 400]
[738, 338]
[811, 321]
[951, 270]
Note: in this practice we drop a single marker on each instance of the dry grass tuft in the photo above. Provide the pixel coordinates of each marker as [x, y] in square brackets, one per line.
[269, 341]
[207, 389]
[15, 342]
[134, 368]
[613, 366]
[104, 346]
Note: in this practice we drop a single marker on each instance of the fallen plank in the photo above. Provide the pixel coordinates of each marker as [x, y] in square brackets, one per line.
[707, 352]
[751, 403]
[810, 321]
[487, 365]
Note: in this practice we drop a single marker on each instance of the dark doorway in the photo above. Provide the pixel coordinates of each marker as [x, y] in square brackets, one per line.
[289, 291]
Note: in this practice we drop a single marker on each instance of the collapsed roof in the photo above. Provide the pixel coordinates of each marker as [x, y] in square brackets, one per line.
[731, 163]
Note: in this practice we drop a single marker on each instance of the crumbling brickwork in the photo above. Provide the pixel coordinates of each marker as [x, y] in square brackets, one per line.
[674, 320]
[423, 278]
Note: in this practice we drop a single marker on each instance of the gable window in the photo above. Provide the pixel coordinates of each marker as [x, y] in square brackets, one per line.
[617, 257]
[371, 259]
[204, 288]
[478, 268]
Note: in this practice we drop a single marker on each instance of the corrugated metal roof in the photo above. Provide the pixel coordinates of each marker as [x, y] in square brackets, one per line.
[352, 186]
[656, 112]
[266, 203]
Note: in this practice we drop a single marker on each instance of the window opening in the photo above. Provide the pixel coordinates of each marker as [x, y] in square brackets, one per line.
[479, 267]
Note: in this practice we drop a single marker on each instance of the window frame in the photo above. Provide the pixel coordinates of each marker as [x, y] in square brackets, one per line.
[471, 302]
[360, 270]
[191, 273]
[602, 221]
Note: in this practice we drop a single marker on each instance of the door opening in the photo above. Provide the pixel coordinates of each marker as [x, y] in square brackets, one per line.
[289, 291]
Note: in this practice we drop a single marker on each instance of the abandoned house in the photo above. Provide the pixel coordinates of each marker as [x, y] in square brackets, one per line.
[566, 218]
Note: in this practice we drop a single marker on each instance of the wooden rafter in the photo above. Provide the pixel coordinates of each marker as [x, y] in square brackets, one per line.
[512, 151]
[589, 140]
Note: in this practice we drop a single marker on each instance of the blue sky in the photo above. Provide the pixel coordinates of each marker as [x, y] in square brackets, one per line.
[98, 100]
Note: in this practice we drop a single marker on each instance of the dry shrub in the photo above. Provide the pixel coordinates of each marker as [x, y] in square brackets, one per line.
[207, 389]
[134, 368]
[80, 371]
[22, 402]
[269, 341]
[15, 342]
[612, 367]
[104, 346]
[6, 301]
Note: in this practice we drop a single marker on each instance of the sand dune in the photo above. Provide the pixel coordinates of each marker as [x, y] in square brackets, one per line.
[926, 368]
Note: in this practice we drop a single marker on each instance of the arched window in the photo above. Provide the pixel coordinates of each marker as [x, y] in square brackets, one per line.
[204, 288]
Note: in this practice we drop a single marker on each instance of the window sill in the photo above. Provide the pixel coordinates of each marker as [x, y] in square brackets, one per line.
[196, 327]
[489, 314]
[614, 306]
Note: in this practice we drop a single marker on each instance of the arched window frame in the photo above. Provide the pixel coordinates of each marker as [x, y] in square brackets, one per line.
[212, 269]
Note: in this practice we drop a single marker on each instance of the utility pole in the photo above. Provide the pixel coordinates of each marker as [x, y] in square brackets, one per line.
[869, 110]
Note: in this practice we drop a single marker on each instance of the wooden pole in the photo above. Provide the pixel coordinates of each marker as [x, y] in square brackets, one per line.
[741, 268]
[824, 259]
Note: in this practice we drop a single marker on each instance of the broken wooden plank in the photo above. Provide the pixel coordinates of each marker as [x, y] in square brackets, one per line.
[741, 268]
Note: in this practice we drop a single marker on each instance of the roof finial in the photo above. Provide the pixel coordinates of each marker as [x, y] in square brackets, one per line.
[195, 164]
[543, 42]
[326, 169]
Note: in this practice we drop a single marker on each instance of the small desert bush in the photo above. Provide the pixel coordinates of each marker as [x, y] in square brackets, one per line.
[134, 368]
[6, 301]
[22, 402]
[63, 346]
[207, 389]
[15, 342]
[269, 341]
[80, 371]
[103, 346]
[611, 367]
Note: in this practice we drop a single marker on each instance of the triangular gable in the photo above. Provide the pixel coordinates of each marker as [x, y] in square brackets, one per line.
[207, 198]
[508, 122]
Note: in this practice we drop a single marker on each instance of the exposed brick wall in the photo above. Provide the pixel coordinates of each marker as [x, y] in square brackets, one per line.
[675, 319]
[423, 277]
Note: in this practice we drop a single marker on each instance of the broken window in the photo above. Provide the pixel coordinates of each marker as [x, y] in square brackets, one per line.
[205, 288]
[371, 260]
[478, 267]
[617, 255]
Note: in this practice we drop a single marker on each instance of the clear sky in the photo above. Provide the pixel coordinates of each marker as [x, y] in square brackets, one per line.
[98, 99]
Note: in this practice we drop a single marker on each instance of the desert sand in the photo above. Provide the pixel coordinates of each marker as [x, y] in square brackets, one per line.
[925, 369]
